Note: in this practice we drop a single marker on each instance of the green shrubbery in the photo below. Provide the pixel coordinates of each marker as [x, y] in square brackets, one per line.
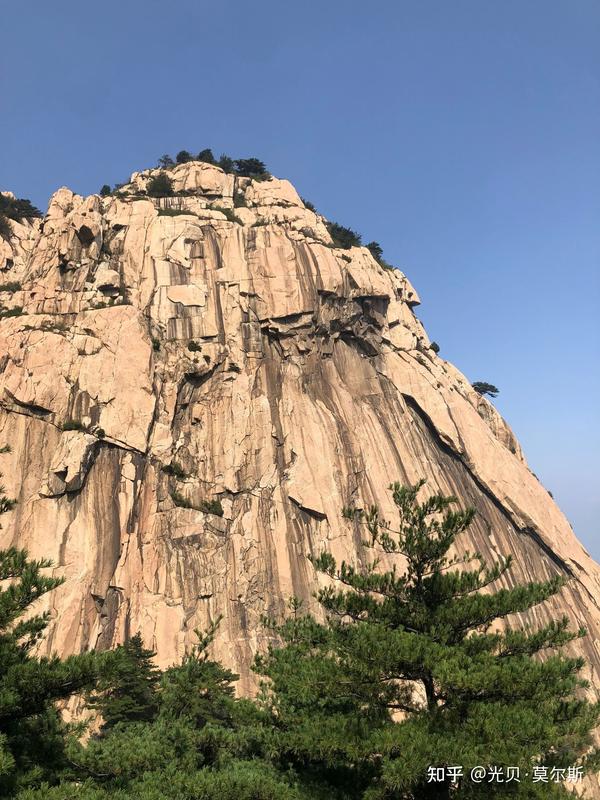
[5, 313]
[228, 212]
[180, 500]
[11, 286]
[376, 251]
[166, 162]
[212, 507]
[173, 212]
[239, 200]
[160, 185]
[343, 237]
[207, 506]
[73, 425]
[16, 209]
[176, 470]
[5, 229]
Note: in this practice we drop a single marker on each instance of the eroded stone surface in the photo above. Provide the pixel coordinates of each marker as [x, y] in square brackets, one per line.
[286, 377]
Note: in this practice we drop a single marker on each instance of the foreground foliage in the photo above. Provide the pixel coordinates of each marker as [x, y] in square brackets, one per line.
[408, 671]
[32, 734]
[421, 644]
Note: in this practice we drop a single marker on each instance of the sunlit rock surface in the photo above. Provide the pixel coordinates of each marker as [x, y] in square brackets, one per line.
[287, 379]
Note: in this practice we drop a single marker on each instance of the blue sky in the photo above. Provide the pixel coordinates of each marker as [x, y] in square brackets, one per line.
[464, 136]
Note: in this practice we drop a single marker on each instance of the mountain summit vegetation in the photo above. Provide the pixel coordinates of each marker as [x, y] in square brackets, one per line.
[406, 670]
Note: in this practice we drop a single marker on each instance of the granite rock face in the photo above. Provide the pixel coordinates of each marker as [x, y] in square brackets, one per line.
[215, 346]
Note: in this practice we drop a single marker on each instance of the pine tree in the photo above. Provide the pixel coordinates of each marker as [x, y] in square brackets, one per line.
[483, 388]
[127, 687]
[207, 156]
[226, 163]
[201, 743]
[199, 688]
[166, 162]
[251, 168]
[342, 236]
[32, 734]
[183, 157]
[412, 670]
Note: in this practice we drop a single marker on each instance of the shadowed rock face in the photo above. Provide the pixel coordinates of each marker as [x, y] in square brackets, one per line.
[286, 379]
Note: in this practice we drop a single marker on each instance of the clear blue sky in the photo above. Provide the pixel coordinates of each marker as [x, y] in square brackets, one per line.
[464, 136]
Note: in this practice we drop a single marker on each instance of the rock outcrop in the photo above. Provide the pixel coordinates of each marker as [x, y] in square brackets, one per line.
[214, 350]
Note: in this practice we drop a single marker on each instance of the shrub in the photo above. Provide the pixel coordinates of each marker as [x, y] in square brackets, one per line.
[229, 213]
[212, 507]
[183, 157]
[435, 347]
[5, 229]
[166, 162]
[11, 286]
[251, 168]
[239, 200]
[105, 190]
[227, 164]
[376, 250]
[207, 506]
[194, 347]
[176, 470]
[155, 344]
[343, 237]
[100, 433]
[172, 212]
[207, 156]
[73, 425]
[308, 204]
[5, 313]
[482, 388]
[181, 501]
[160, 185]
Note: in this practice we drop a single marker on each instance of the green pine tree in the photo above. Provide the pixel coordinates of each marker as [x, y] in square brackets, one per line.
[32, 733]
[411, 672]
[202, 744]
[127, 689]
[199, 689]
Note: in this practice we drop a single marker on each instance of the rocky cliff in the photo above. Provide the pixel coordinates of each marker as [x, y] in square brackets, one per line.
[215, 350]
